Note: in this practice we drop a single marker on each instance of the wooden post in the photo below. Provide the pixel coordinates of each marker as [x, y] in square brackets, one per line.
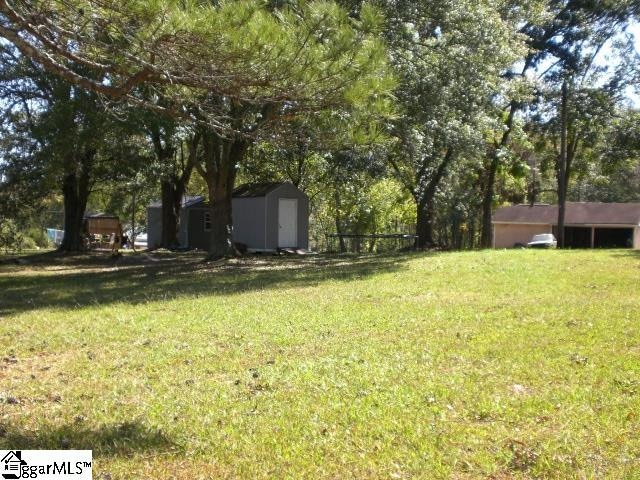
[593, 236]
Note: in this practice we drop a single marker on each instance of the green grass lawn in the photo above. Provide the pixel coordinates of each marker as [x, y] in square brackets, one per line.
[499, 364]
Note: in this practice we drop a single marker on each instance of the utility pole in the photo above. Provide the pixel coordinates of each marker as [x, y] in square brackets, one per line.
[562, 164]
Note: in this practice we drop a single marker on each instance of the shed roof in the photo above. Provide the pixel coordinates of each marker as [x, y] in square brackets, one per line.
[246, 190]
[588, 213]
[101, 215]
[256, 189]
[187, 201]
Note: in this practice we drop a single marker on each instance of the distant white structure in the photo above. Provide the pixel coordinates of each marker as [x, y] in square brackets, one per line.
[55, 236]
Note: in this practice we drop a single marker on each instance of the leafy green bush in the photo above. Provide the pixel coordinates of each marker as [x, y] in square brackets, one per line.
[39, 238]
[11, 239]
[28, 243]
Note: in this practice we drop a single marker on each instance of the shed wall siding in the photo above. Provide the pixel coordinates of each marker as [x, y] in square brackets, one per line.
[636, 239]
[198, 238]
[249, 222]
[507, 235]
[287, 191]
[183, 232]
[154, 227]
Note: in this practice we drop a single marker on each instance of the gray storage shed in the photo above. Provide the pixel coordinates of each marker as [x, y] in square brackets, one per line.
[266, 216]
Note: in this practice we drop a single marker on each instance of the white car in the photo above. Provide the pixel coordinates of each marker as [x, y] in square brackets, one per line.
[543, 240]
[141, 240]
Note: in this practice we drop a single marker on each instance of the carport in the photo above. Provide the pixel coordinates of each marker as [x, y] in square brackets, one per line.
[597, 237]
[613, 237]
[587, 224]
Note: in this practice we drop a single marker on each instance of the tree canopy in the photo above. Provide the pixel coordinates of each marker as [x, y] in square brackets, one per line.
[449, 108]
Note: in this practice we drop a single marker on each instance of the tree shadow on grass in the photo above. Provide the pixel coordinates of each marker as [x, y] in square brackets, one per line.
[108, 440]
[140, 279]
[628, 253]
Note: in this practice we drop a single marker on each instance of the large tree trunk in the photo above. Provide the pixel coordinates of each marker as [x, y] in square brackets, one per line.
[75, 191]
[486, 237]
[425, 214]
[338, 221]
[222, 157]
[173, 190]
[342, 246]
[173, 186]
[471, 233]
[220, 196]
[169, 214]
[179, 190]
[424, 224]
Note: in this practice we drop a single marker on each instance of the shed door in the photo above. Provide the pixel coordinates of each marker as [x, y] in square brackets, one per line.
[287, 222]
